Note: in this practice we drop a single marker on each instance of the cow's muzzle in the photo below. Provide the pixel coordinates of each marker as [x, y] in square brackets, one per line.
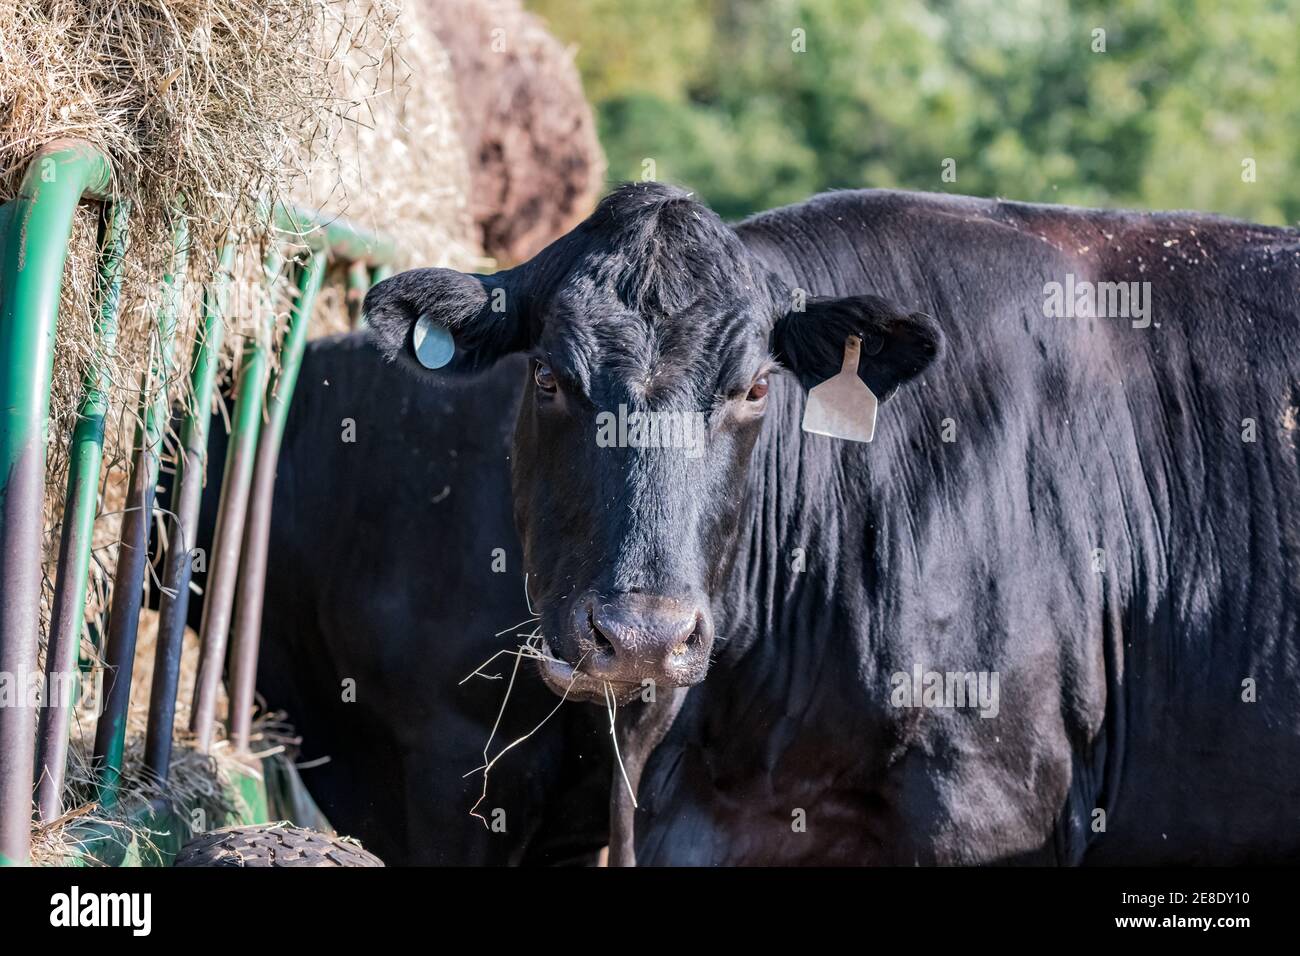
[625, 643]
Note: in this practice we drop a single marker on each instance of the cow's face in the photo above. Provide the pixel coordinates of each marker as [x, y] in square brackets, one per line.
[655, 344]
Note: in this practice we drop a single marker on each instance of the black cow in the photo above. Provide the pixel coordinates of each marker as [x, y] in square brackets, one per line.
[1050, 614]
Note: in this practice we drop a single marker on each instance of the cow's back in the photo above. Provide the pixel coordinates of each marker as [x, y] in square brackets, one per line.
[1196, 410]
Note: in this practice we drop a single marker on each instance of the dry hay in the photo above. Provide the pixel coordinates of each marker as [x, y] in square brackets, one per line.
[215, 101]
[215, 104]
[345, 105]
[196, 781]
[400, 164]
[536, 165]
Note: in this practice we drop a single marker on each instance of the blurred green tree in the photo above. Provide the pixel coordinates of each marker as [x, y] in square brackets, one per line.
[1146, 103]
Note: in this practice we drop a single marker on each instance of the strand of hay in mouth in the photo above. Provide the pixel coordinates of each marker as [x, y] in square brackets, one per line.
[532, 650]
[478, 671]
[612, 706]
[525, 650]
[529, 649]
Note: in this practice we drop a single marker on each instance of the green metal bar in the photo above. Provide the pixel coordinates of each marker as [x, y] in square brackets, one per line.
[235, 486]
[358, 285]
[186, 499]
[85, 453]
[133, 546]
[377, 275]
[322, 232]
[31, 277]
[257, 531]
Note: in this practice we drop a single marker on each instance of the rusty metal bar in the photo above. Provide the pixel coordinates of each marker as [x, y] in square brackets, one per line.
[235, 487]
[187, 495]
[252, 572]
[133, 545]
[85, 454]
[34, 247]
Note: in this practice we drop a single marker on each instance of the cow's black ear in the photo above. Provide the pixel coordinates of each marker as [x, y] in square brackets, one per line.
[896, 346]
[408, 314]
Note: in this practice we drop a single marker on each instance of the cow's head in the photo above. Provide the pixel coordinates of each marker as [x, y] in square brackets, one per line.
[629, 520]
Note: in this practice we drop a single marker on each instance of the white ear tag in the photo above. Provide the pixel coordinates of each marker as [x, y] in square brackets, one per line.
[434, 346]
[843, 406]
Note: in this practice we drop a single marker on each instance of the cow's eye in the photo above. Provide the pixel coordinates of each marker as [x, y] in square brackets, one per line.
[544, 377]
[758, 390]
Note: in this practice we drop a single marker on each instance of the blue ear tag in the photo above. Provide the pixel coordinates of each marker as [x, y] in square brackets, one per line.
[434, 346]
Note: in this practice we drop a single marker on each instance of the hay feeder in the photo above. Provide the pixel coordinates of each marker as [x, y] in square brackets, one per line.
[130, 823]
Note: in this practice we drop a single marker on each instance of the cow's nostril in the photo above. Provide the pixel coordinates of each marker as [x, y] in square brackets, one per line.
[697, 634]
[602, 644]
[629, 638]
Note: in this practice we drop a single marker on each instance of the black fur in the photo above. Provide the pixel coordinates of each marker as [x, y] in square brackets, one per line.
[829, 567]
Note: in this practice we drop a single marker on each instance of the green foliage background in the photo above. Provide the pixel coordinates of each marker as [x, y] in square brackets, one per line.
[714, 94]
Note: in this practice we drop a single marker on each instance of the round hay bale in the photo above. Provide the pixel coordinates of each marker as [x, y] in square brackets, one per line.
[536, 166]
[399, 163]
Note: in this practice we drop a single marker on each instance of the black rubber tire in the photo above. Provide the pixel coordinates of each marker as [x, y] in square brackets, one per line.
[273, 844]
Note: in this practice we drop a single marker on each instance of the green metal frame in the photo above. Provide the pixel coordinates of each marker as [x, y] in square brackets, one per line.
[341, 240]
[34, 232]
[85, 455]
[31, 278]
